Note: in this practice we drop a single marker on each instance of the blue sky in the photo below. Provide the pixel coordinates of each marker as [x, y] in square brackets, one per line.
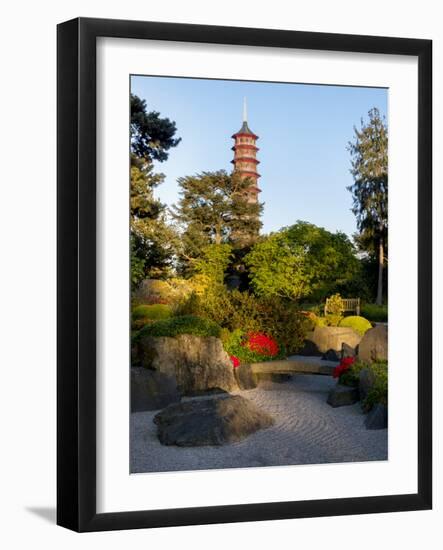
[303, 129]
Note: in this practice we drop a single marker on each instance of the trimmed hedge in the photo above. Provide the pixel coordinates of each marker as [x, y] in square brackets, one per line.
[359, 324]
[187, 324]
[153, 312]
[375, 313]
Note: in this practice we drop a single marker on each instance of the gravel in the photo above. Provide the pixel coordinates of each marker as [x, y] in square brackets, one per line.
[306, 431]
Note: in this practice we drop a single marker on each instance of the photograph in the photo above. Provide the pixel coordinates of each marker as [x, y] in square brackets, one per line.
[258, 230]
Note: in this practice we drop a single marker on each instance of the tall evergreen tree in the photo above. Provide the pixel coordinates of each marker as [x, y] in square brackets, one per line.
[151, 136]
[214, 208]
[152, 239]
[369, 160]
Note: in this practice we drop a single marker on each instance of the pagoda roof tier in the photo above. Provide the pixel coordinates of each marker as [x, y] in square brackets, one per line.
[247, 159]
[244, 146]
[247, 173]
[245, 131]
[254, 189]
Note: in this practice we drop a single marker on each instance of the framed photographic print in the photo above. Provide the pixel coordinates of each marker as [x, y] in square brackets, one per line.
[244, 303]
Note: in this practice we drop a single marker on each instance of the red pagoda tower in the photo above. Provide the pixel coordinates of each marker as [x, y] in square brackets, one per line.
[245, 156]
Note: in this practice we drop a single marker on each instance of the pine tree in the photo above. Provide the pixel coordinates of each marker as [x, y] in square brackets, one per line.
[369, 152]
[153, 241]
[213, 208]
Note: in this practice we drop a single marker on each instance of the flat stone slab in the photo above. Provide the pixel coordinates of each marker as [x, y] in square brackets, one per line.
[340, 396]
[296, 364]
[213, 421]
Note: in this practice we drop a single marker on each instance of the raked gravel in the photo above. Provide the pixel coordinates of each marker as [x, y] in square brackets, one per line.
[306, 431]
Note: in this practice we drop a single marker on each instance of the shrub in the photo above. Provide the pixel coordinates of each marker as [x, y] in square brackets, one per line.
[335, 305]
[359, 324]
[235, 310]
[375, 313]
[249, 348]
[332, 320]
[379, 391]
[187, 324]
[348, 373]
[153, 312]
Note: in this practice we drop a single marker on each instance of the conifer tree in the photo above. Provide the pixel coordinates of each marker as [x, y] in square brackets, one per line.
[214, 208]
[369, 160]
[153, 241]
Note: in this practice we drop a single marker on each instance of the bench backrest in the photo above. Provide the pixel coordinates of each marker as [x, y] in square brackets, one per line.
[350, 305]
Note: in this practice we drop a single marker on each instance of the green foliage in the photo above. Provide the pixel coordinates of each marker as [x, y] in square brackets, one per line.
[234, 341]
[333, 320]
[151, 136]
[213, 208]
[187, 324]
[153, 312]
[302, 261]
[351, 376]
[213, 262]
[335, 305]
[153, 241]
[234, 310]
[359, 324]
[379, 391]
[137, 267]
[276, 268]
[369, 152]
[375, 313]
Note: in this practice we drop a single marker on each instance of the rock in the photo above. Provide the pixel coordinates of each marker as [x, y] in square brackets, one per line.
[213, 421]
[331, 355]
[309, 348]
[347, 351]
[377, 418]
[198, 363]
[374, 345]
[277, 378]
[245, 378]
[365, 382]
[327, 338]
[342, 395]
[151, 390]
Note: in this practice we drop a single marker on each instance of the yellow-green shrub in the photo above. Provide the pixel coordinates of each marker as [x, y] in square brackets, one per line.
[357, 323]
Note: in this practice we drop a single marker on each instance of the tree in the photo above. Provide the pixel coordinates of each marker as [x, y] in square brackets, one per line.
[369, 160]
[213, 262]
[153, 241]
[302, 261]
[276, 268]
[213, 208]
[151, 136]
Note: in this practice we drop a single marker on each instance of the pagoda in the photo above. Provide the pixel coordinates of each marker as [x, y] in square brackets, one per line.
[245, 156]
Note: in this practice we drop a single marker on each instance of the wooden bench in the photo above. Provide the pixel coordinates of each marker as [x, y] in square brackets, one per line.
[350, 305]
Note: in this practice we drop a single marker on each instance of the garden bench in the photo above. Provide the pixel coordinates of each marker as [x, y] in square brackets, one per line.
[295, 365]
[350, 305]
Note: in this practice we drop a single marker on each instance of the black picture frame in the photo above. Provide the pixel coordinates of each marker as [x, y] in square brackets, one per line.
[77, 248]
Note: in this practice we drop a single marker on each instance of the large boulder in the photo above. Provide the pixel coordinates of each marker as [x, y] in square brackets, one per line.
[340, 396]
[333, 338]
[374, 345]
[377, 418]
[152, 390]
[213, 421]
[197, 363]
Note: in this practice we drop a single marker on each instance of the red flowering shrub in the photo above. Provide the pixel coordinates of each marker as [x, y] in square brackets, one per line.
[262, 344]
[345, 365]
[235, 361]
